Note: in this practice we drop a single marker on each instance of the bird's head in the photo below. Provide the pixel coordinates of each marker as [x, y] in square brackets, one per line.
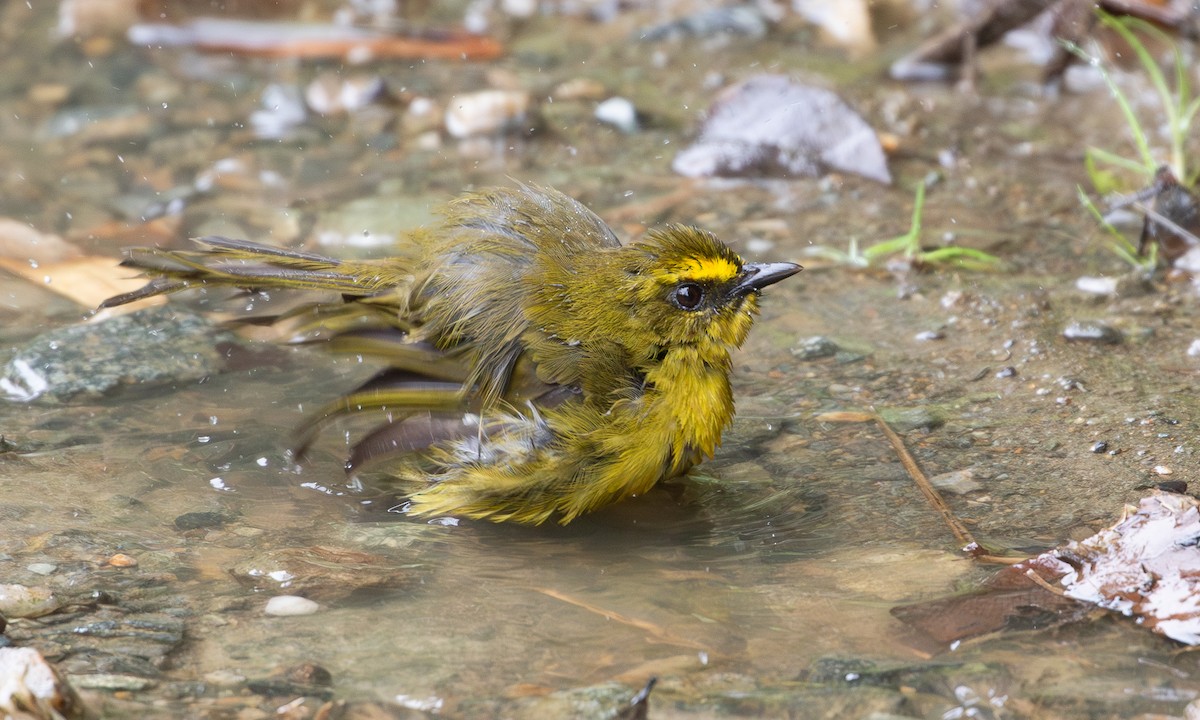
[683, 286]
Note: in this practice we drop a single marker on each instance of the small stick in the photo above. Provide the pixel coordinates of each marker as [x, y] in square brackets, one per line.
[657, 632]
[1041, 582]
[931, 494]
[927, 489]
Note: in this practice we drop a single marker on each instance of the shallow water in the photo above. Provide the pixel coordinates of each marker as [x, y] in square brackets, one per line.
[762, 585]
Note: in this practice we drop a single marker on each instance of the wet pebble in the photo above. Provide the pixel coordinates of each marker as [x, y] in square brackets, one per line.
[161, 344]
[958, 482]
[332, 94]
[1100, 446]
[1091, 331]
[745, 20]
[905, 419]
[486, 112]
[815, 348]
[618, 112]
[308, 673]
[1097, 285]
[290, 605]
[20, 601]
[197, 520]
[122, 560]
[111, 682]
[283, 110]
[41, 568]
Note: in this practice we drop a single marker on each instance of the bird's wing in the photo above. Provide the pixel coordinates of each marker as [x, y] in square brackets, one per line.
[485, 259]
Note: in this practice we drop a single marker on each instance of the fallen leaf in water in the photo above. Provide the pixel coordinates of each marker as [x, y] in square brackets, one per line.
[1146, 566]
[85, 280]
[769, 126]
[24, 243]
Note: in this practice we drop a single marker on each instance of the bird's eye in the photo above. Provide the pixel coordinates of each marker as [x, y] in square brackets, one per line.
[687, 296]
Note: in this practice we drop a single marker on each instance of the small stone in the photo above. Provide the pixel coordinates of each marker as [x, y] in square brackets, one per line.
[1096, 332]
[1097, 285]
[1006, 372]
[928, 335]
[579, 89]
[41, 568]
[112, 682]
[289, 605]
[618, 112]
[958, 482]
[486, 112]
[331, 94]
[308, 673]
[20, 601]
[122, 560]
[283, 110]
[1163, 470]
[814, 348]
[196, 520]
[1099, 446]
[1194, 349]
[906, 419]
[224, 678]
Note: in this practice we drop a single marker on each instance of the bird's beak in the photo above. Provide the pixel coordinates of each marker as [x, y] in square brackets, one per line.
[756, 276]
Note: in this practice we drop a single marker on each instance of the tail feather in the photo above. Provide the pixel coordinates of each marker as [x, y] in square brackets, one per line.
[240, 263]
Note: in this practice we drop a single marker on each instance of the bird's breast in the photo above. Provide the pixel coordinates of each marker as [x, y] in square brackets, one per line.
[693, 401]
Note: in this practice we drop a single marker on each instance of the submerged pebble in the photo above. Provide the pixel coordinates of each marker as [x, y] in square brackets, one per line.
[289, 605]
[958, 482]
[486, 112]
[21, 601]
[618, 112]
[1090, 331]
[283, 110]
[331, 94]
[1097, 285]
[197, 520]
[815, 348]
[746, 20]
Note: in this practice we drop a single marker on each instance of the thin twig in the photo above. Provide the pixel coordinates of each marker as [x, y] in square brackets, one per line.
[657, 632]
[1041, 582]
[927, 489]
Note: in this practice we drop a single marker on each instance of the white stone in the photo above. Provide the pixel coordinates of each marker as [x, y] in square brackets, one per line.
[288, 605]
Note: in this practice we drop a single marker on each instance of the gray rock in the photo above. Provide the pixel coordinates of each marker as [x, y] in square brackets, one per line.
[157, 345]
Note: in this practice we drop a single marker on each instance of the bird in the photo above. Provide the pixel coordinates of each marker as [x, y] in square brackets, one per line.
[535, 368]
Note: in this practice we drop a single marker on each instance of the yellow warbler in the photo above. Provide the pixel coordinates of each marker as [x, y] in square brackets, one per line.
[536, 368]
